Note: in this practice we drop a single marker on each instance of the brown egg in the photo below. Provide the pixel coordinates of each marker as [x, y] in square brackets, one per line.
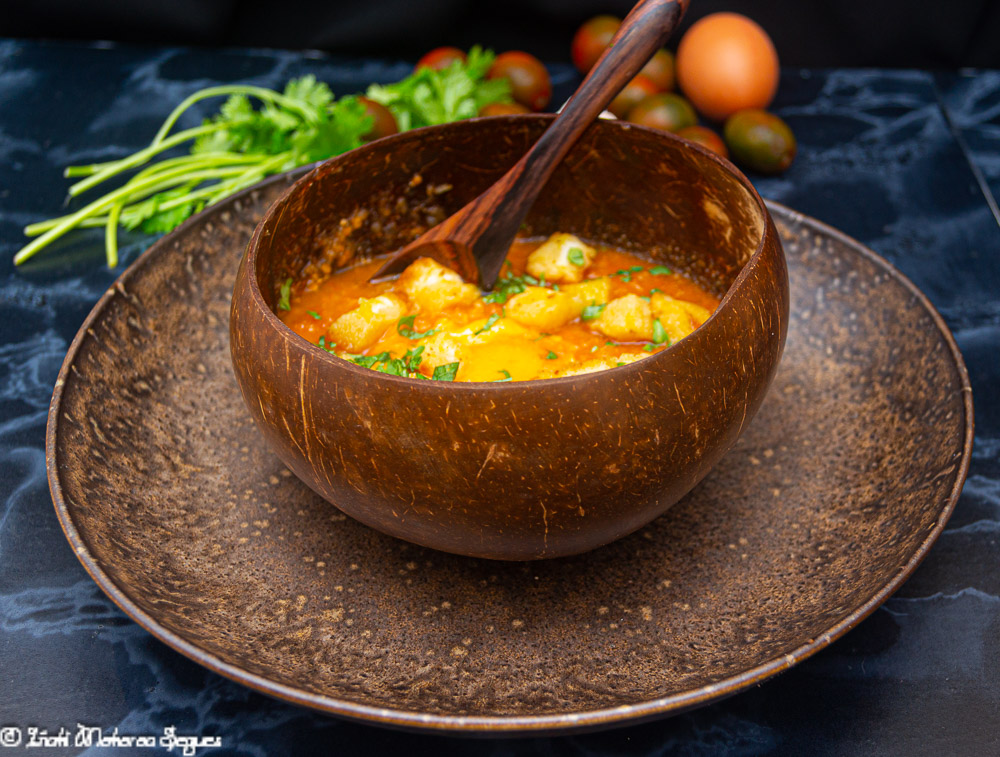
[726, 63]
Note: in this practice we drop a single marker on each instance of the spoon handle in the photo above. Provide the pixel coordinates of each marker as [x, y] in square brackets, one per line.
[474, 241]
[503, 207]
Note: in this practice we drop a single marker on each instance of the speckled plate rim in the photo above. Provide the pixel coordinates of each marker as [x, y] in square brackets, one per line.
[490, 725]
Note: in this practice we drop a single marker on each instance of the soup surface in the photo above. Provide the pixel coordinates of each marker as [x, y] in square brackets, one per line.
[560, 308]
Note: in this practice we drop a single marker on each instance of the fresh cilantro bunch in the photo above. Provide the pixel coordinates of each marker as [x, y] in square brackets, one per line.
[318, 128]
[257, 132]
[429, 97]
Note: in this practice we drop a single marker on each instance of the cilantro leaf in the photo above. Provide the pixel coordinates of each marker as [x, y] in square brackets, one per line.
[412, 358]
[394, 366]
[369, 361]
[576, 257]
[284, 295]
[592, 311]
[338, 129]
[308, 91]
[445, 372]
[660, 270]
[148, 217]
[506, 288]
[404, 327]
[659, 333]
[489, 324]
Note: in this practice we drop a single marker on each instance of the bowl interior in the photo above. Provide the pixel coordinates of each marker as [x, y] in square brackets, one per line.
[637, 189]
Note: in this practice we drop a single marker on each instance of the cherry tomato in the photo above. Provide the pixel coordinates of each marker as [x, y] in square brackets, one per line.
[383, 122]
[660, 70]
[706, 138]
[503, 109]
[530, 84]
[637, 89]
[591, 39]
[663, 110]
[760, 140]
[440, 57]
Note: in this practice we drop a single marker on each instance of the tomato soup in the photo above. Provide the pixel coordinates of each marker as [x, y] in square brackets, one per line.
[561, 307]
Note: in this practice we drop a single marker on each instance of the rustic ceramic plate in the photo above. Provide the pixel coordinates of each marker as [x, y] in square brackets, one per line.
[175, 506]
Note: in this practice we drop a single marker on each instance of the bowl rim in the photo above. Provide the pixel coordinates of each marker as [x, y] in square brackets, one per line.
[275, 323]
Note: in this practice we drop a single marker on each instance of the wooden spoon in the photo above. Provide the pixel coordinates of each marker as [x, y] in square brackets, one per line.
[474, 241]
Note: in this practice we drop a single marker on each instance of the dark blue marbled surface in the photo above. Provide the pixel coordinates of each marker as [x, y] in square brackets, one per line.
[905, 161]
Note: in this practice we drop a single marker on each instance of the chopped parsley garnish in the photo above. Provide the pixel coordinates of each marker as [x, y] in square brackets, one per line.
[314, 314]
[506, 288]
[406, 366]
[394, 366]
[655, 291]
[285, 295]
[369, 361]
[592, 311]
[626, 274]
[576, 257]
[648, 348]
[659, 333]
[404, 327]
[445, 372]
[412, 358]
[660, 270]
[551, 355]
[489, 323]
[329, 347]
[507, 377]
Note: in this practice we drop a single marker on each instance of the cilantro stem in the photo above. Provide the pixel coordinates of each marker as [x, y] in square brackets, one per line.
[99, 172]
[265, 95]
[215, 192]
[141, 188]
[111, 234]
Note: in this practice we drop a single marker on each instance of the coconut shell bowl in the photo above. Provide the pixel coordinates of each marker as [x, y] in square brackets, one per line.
[515, 470]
